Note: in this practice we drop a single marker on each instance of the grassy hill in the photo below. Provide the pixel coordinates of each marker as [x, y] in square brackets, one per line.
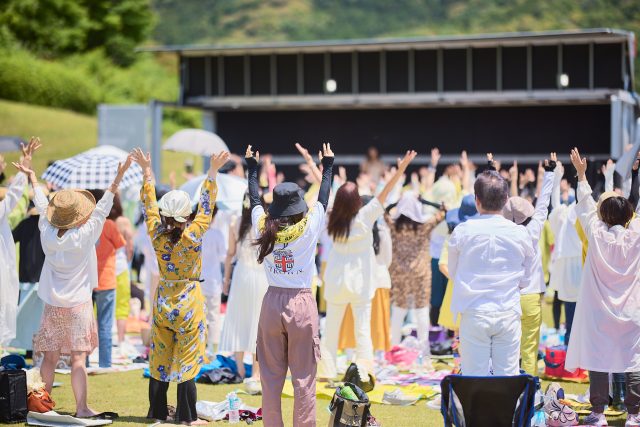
[63, 134]
[213, 21]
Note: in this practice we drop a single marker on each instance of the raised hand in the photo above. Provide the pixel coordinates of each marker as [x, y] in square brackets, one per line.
[551, 162]
[435, 157]
[305, 153]
[29, 149]
[513, 170]
[406, 160]
[250, 155]
[491, 162]
[122, 168]
[3, 164]
[144, 160]
[326, 150]
[22, 168]
[464, 160]
[636, 163]
[580, 163]
[217, 161]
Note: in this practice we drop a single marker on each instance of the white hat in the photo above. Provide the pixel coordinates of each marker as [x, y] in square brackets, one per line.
[410, 206]
[176, 204]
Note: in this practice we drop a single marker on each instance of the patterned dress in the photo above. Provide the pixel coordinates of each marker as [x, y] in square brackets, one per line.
[179, 332]
[410, 267]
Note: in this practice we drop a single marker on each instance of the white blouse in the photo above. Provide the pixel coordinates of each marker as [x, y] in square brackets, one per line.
[351, 267]
[606, 326]
[70, 270]
[9, 285]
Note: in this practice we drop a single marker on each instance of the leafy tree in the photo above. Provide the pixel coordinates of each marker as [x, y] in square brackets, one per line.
[118, 26]
[47, 27]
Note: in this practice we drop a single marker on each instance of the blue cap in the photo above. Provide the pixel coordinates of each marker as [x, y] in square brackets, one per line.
[467, 208]
[452, 218]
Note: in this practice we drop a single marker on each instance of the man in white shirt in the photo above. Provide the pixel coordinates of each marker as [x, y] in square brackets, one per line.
[490, 260]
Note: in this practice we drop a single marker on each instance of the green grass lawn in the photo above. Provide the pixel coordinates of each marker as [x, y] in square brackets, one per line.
[65, 134]
[126, 393]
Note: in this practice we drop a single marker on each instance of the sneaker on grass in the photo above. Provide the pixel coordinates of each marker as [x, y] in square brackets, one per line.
[595, 419]
[632, 420]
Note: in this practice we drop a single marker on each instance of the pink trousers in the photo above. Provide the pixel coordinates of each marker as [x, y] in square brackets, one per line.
[288, 339]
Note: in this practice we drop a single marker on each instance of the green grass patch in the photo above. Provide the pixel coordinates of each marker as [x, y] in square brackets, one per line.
[65, 134]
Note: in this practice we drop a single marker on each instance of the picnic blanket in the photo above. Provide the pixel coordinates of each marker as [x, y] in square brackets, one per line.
[96, 370]
[53, 419]
[375, 396]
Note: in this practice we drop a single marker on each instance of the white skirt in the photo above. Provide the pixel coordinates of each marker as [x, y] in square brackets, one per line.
[240, 327]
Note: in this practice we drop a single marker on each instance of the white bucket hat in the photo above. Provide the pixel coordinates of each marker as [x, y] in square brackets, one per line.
[175, 204]
[410, 206]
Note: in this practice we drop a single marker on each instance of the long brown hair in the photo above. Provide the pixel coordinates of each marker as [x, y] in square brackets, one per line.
[345, 207]
[272, 225]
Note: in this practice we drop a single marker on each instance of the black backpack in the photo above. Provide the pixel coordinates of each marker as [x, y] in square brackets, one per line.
[488, 401]
[13, 396]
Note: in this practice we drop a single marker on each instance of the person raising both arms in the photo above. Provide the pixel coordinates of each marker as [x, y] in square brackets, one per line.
[351, 269]
[179, 332]
[70, 225]
[287, 235]
[606, 329]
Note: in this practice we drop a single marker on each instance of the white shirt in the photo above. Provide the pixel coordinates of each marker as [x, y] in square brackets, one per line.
[351, 267]
[438, 237]
[566, 260]
[606, 326]
[535, 226]
[384, 256]
[70, 270]
[292, 265]
[9, 284]
[213, 254]
[490, 260]
[122, 261]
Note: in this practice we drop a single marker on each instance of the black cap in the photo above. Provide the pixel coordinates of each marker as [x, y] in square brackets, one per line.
[288, 200]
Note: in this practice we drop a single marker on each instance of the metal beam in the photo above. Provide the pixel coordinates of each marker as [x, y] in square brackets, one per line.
[410, 100]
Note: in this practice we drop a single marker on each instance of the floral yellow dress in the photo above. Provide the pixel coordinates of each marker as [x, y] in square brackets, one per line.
[179, 332]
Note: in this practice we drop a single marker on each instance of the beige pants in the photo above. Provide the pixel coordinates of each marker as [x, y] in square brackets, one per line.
[288, 338]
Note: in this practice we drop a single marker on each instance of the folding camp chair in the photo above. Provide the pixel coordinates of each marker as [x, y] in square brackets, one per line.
[488, 401]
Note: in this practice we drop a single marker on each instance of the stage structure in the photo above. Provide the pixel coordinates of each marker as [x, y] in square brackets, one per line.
[514, 93]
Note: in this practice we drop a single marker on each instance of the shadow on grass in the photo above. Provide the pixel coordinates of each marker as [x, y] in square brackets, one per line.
[135, 420]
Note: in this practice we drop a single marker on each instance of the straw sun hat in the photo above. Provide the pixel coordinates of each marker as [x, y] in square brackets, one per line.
[70, 208]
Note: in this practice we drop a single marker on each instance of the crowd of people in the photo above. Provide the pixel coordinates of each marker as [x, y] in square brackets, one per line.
[473, 250]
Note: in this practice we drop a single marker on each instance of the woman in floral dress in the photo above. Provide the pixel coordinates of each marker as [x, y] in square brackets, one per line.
[178, 336]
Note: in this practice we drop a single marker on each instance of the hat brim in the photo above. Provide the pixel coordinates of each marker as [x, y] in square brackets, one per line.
[277, 210]
[86, 205]
[604, 196]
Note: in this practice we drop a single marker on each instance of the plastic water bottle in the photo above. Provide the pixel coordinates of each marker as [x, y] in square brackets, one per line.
[234, 408]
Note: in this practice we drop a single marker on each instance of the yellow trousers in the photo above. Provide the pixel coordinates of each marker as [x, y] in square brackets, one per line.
[380, 323]
[531, 305]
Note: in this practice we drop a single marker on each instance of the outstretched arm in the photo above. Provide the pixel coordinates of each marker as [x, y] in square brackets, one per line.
[208, 196]
[542, 205]
[315, 171]
[586, 207]
[254, 187]
[20, 180]
[402, 167]
[327, 158]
